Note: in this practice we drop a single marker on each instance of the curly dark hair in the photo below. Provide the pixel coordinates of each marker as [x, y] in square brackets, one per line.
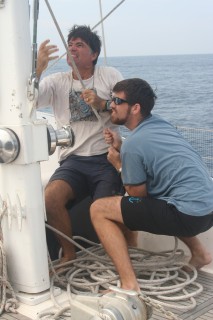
[88, 36]
[137, 91]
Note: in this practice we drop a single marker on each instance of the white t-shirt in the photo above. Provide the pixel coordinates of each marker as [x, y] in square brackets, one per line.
[61, 91]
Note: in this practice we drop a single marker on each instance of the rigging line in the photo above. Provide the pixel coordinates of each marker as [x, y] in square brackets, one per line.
[34, 45]
[109, 13]
[69, 55]
[65, 44]
[95, 26]
[102, 28]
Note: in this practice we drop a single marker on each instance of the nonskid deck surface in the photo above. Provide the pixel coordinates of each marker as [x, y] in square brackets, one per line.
[203, 310]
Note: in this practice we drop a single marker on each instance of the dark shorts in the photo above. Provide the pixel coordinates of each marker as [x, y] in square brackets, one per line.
[158, 217]
[89, 176]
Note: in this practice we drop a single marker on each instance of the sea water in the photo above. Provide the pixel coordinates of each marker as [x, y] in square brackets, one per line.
[183, 84]
[184, 89]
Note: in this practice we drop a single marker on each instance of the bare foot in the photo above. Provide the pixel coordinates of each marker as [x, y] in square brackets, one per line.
[62, 265]
[200, 261]
[133, 288]
[200, 257]
[120, 290]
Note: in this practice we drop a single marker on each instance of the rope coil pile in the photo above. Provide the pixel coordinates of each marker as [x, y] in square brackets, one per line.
[161, 276]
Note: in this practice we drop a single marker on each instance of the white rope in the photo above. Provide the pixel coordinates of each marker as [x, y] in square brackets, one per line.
[65, 44]
[162, 280]
[102, 29]
[95, 26]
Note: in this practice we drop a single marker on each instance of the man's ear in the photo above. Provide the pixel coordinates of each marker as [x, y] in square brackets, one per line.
[136, 108]
[94, 55]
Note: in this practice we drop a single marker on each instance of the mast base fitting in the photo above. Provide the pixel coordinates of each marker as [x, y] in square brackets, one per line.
[9, 145]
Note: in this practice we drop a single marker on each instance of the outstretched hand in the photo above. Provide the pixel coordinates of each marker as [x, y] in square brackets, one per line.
[112, 138]
[44, 56]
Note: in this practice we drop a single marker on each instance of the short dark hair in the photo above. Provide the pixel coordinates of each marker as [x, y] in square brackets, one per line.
[137, 91]
[88, 36]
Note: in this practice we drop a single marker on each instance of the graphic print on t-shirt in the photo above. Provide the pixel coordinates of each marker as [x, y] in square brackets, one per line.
[79, 110]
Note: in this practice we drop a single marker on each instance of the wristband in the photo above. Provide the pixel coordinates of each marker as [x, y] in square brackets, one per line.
[107, 106]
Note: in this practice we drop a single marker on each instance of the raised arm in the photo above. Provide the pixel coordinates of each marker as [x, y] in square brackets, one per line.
[44, 56]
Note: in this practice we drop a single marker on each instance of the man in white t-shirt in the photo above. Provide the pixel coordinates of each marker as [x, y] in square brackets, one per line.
[84, 169]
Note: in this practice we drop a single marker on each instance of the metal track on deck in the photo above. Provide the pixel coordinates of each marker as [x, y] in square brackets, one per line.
[203, 310]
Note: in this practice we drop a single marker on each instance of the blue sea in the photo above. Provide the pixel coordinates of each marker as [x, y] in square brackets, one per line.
[183, 84]
[184, 87]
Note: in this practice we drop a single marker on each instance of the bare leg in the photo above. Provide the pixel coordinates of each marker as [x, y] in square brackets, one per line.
[130, 236]
[57, 194]
[106, 218]
[200, 256]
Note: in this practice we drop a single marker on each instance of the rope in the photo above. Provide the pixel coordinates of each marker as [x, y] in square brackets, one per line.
[102, 29]
[65, 44]
[6, 304]
[162, 280]
[95, 26]
[69, 55]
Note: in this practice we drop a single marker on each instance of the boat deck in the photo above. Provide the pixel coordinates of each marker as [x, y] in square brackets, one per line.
[203, 310]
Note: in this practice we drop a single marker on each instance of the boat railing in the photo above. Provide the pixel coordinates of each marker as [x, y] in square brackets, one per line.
[201, 139]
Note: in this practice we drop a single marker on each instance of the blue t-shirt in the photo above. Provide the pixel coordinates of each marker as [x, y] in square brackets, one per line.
[155, 153]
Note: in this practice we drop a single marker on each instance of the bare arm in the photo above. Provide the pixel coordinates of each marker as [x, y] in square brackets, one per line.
[133, 190]
[114, 158]
[137, 191]
[92, 99]
[44, 56]
[112, 138]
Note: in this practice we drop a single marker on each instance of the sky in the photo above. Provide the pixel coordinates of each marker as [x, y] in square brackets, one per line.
[136, 27]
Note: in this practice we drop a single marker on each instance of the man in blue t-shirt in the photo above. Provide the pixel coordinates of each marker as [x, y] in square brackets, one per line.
[169, 187]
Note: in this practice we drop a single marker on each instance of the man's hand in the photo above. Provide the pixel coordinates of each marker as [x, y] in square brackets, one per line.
[44, 56]
[112, 138]
[92, 99]
[114, 158]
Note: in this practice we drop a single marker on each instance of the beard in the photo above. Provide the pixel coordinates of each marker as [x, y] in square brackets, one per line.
[120, 121]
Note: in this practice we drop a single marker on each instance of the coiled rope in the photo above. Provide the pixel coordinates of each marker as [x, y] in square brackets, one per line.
[161, 276]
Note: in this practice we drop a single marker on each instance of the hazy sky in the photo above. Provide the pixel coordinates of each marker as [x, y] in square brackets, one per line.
[137, 27]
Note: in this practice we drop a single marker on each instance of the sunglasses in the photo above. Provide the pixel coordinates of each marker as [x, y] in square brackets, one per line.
[118, 101]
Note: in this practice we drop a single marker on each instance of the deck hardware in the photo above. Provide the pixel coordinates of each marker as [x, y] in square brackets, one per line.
[63, 137]
[9, 145]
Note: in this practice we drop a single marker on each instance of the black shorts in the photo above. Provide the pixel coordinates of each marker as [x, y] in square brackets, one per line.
[158, 217]
[89, 176]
